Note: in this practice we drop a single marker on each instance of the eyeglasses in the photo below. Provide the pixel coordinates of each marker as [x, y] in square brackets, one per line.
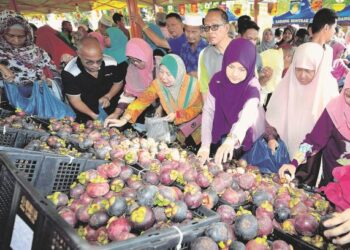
[133, 60]
[213, 27]
[90, 62]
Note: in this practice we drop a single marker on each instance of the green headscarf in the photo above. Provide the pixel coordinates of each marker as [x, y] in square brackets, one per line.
[177, 68]
[118, 44]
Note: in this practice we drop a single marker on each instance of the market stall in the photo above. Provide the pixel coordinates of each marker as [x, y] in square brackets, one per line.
[300, 13]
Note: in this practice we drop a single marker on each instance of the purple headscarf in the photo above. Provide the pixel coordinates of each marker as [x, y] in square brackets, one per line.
[230, 98]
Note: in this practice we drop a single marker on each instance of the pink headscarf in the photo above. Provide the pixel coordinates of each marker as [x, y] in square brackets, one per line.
[294, 108]
[99, 37]
[338, 49]
[137, 80]
[339, 111]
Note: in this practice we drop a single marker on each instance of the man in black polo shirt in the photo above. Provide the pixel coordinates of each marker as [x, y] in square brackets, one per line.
[92, 79]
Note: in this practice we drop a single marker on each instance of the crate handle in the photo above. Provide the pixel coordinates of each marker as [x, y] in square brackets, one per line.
[178, 246]
[71, 158]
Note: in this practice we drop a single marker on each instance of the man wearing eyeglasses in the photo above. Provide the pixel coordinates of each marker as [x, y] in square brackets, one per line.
[217, 29]
[194, 45]
[92, 80]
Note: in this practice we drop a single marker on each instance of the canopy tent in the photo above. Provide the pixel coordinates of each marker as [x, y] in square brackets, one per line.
[64, 6]
[344, 16]
[231, 16]
[299, 13]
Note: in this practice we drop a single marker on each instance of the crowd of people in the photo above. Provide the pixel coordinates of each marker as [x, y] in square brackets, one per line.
[290, 88]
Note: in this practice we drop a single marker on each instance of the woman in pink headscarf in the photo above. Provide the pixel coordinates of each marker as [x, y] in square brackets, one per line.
[300, 98]
[139, 75]
[340, 68]
[331, 135]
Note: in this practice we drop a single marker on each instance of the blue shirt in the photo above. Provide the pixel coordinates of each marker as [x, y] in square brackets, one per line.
[190, 57]
[176, 44]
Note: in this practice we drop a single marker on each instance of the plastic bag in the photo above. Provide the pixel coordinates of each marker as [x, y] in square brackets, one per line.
[260, 155]
[41, 102]
[102, 115]
[159, 129]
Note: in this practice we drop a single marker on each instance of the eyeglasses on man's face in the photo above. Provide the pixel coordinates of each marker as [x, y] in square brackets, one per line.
[213, 27]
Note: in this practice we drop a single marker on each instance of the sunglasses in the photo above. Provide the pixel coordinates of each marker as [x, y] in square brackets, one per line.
[213, 27]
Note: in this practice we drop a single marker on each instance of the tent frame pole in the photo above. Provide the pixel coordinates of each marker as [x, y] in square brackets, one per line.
[133, 10]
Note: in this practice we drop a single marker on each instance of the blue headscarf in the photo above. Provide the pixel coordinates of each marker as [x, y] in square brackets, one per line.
[118, 44]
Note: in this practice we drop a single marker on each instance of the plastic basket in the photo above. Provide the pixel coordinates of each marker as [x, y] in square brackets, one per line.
[18, 138]
[5, 113]
[48, 229]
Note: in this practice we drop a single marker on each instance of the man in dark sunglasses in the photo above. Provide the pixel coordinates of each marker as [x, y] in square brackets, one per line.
[92, 81]
[216, 28]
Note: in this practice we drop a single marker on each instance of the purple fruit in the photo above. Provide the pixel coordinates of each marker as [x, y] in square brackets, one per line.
[151, 178]
[76, 189]
[58, 199]
[142, 218]
[227, 214]
[246, 227]
[68, 215]
[237, 245]
[193, 201]
[125, 173]
[116, 227]
[146, 196]
[204, 243]
[260, 196]
[159, 214]
[265, 226]
[282, 214]
[204, 178]
[82, 213]
[98, 219]
[210, 198]
[306, 224]
[177, 211]
[219, 232]
[117, 206]
[280, 245]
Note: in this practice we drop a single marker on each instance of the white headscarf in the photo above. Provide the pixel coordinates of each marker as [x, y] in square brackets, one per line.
[294, 108]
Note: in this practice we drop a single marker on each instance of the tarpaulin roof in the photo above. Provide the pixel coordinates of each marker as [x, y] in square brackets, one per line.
[63, 6]
[304, 16]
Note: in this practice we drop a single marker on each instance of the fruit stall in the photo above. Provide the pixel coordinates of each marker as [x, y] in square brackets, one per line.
[66, 185]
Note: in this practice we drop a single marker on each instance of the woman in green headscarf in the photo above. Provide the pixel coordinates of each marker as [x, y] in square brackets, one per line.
[178, 93]
[117, 48]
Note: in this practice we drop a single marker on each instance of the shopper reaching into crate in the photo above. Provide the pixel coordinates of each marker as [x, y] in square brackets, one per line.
[330, 135]
[21, 61]
[232, 115]
[179, 96]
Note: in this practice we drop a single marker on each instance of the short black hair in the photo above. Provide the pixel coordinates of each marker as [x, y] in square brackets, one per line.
[240, 22]
[64, 22]
[322, 17]
[222, 13]
[249, 24]
[337, 28]
[117, 17]
[278, 32]
[309, 26]
[174, 15]
[302, 33]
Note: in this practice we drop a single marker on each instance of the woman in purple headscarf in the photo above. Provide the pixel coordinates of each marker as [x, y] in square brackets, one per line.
[232, 116]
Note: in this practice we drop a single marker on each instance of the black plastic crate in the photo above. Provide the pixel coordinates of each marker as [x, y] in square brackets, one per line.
[5, 113]
[50, 231]
[18, 138]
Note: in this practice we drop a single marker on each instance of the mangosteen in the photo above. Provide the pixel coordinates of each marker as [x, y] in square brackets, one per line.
[204, 243]
[260, 196]
[142, 218]
[246, 227]
[219, 232]
[237, 245]
[282, 214]
[98, 219]
[117, 206]
[146, 195]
